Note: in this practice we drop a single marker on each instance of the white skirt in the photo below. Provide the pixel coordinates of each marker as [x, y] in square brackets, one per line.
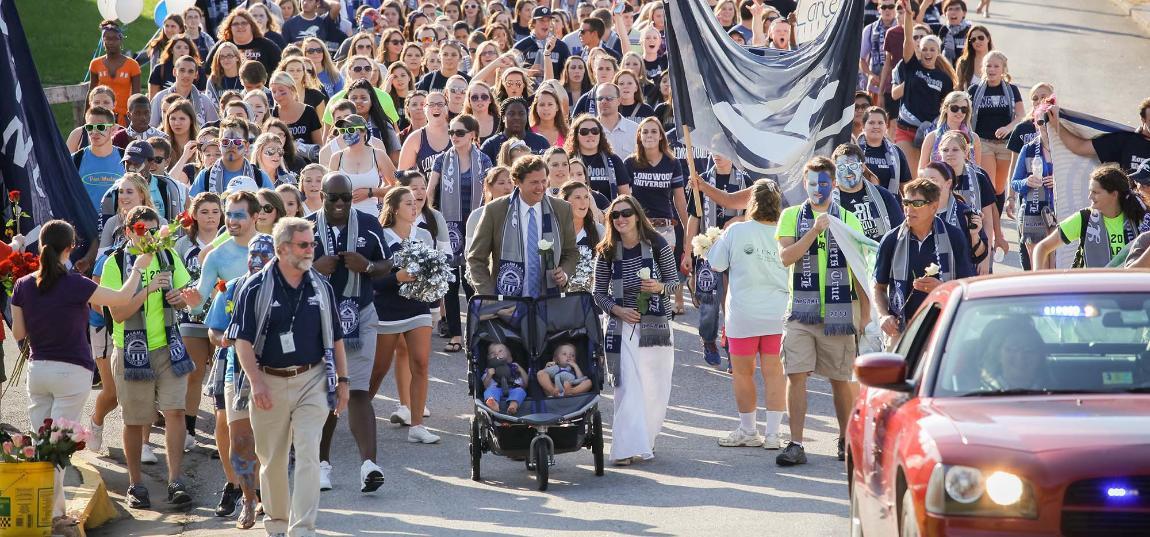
[642, 396]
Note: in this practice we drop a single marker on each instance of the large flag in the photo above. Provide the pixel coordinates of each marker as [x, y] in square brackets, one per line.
[769, 110]
[33, 157]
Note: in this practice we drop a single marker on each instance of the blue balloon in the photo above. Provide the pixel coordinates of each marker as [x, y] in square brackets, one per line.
[160, 13]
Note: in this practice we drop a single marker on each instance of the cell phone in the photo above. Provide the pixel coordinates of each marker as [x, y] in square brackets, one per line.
[619, 7]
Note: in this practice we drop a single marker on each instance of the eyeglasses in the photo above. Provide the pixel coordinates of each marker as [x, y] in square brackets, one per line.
[271, 152]
[361, 68]
[268, 208]
[487, 53]
[588, 131]
[98, 127]
[316, 50]
[228, 142]
[228, 56]
[457, 91]
[458, 133]
[435, 105]
[850, 167]
[954, 108]
[236, 215]
[605, 98]
[477, 97]
[886, 7]
[305, 245]
[917, 204]
[622, 213]
[348, 130]
[978, 37]
[336, 198]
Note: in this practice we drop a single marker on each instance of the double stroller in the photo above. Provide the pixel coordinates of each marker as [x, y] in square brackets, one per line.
[543, 426]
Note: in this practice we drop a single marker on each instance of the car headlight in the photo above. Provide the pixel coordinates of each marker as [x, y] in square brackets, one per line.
[955, 490]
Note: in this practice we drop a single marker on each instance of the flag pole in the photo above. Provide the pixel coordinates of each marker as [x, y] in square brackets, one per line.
[694, 173]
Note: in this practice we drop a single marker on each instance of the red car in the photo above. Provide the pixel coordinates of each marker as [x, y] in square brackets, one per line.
[1011, 405]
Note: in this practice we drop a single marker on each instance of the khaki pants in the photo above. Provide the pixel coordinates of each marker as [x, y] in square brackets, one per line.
[299, 410]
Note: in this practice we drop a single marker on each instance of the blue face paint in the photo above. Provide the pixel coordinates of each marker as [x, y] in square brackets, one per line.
[819, 185]
[848, 172]
[352, 138]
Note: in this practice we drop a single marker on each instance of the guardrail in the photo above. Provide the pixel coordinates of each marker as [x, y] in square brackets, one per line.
[77, 95]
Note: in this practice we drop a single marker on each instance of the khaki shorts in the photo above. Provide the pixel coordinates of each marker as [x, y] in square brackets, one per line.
[361, 362]
[229, 405]
[996, 148]
[807, 349]
[139, 399]
[99, 338]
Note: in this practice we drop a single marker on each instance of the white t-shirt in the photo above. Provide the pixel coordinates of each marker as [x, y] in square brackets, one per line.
[757, 292]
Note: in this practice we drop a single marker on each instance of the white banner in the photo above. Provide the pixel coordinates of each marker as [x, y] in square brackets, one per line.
[814, 16]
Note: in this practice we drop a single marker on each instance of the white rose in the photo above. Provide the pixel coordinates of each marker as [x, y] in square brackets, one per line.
[700, 244]
[544, 245]
[645, 273]
[713, 233]
[932, 269]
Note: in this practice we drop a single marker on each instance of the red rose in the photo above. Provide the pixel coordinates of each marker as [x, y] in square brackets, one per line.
[140, 228]
[186, 219]
[80, 446]
[5, 267]
[221, 286]
[29, 257]
[14, 196]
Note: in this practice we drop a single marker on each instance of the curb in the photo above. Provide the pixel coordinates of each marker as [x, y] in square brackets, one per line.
[1138, 12]
[90, 498]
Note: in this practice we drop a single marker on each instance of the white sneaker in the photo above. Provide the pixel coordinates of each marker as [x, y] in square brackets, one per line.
[189, 443]
[96, 437]
[426, 411]
[401, 416]
[772, 441]
[147, 456]
[420, 435]
[370, 476]
[324, 475]
[739, 438]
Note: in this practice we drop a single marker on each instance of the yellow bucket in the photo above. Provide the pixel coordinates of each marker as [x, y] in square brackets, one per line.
[26, 499]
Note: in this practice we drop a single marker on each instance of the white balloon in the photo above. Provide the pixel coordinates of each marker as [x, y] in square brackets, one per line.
[129, 10]
[107, 9]
[179, 6]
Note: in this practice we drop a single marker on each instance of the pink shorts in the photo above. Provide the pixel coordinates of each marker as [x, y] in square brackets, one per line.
[902, 134]
[768, 345]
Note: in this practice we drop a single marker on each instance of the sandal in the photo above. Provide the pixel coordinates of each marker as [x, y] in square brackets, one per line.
[453, 346]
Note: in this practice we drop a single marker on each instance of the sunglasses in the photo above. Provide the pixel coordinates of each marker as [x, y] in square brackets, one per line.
[915, 38]
[273, 152]
[886, 7]
[159, 159]
[622, 213]
[348, 130]
[394, 41]
[477, 97]
[361, 69]
[978, 37]
[363, 47]
[457, 91]
[458, 133]
[336, 198]
[305, 245]
[605, 98]
[228, 142]
[917, 204]
[954, 108]
[99, 127]
[316, 50]
[588, 131]
[268, 208]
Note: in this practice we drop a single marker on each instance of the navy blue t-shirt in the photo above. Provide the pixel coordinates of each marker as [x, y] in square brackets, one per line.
[369, 244]
[876, 161]
[529, 46]
[995, 110]
[654, 186]
[726, 182]
[1022, 134]
[537, 143]
[923, 91]
[293, 310]
[597, 174]
[921, 255]
[862, 206]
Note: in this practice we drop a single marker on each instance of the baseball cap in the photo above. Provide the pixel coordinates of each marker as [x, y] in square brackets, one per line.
[540, 12]
[242, 183]
[137, 152]
[1142, 174]
[354, 120]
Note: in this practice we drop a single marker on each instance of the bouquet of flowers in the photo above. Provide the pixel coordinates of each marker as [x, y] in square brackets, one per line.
[584, 278]
[54, 442]
[16, 266]
[429, 266]
[703, 242]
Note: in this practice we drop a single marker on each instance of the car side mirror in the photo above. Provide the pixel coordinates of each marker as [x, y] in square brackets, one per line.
[884, 370]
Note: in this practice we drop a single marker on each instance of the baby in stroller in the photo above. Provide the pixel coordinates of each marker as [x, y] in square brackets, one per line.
[562, 376]
[503, 378]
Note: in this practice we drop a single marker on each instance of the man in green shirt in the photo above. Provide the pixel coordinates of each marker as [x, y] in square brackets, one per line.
[821, 326]
[149, 361]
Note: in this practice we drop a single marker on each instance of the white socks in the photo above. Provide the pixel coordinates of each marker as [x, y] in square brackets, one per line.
[774, 419]
[747, 422]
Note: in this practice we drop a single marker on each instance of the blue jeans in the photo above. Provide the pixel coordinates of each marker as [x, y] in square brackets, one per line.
[516, 394]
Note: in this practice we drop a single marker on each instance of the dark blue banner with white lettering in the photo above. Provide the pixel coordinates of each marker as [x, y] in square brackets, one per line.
[768, 110]
[33, 157]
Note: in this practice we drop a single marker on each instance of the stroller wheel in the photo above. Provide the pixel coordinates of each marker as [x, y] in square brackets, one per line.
[542, 466]
[476, 450]
[597, 442]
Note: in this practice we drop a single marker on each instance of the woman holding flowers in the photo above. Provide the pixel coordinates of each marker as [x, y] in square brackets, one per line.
[50, 309]
[756, 301]
[635, 277]
[402, 318]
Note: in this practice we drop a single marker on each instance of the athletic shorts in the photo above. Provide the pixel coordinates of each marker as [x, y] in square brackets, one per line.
[768, 345]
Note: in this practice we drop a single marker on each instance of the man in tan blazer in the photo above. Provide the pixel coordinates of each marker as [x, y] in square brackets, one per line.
[492, 269]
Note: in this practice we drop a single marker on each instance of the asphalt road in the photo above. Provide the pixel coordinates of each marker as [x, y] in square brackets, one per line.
[1093, 54]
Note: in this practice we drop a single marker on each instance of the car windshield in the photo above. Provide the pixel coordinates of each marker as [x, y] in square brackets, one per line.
[1090, 343]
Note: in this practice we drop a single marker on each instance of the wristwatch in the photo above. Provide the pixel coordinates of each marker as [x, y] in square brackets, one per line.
[370, 267]
[342, 380]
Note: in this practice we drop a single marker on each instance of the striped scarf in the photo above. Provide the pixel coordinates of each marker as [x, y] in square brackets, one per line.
[451, 194]
[806, 297]
[654, 326]
[901, 276]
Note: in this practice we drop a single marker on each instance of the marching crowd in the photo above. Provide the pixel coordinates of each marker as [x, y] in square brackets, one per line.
[292, 147]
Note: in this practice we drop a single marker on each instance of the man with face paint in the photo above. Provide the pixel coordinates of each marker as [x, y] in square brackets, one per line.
[903, 270]
[349, 252]
[240, 451]
[875, 207]
[234, 142]
[822, 321]
[228, 256]
[513, 117]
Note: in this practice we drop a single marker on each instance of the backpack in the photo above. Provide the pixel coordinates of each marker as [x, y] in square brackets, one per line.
[1080, 255]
